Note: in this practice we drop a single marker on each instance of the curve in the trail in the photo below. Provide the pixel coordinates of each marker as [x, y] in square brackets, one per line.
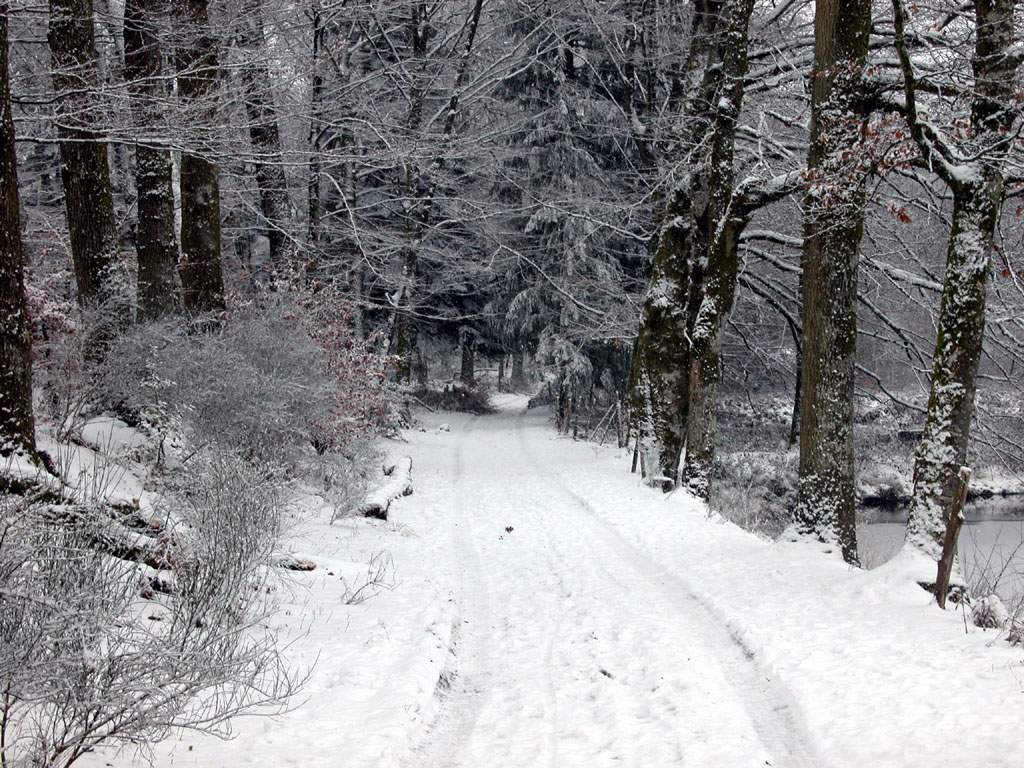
[572, 648]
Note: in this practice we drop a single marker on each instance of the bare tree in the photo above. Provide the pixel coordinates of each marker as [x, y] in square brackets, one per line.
[202, 280]
[659, 374]
[265, 134]
[17, 427]
[156, 244]
[972, 165]
[85, 170]
[725, 222]
[834, 221]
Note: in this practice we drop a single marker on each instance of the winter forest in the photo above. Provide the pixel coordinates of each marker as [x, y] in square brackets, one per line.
[511, 382]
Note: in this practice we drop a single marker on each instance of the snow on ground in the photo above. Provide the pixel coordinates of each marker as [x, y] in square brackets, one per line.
[550, 610]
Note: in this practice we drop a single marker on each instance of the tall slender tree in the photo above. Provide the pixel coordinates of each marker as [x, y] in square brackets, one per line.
[265, 134]
[659, 373]
[833, 225]
[726, 219]
[156, 242]
[85, 171]
[971, 163]
[17, 427]
[202, 280]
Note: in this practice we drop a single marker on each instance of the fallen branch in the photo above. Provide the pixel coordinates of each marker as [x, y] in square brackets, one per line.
[291, 563]
[399, 483]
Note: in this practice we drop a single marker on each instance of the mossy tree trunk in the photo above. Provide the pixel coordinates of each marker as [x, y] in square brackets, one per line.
[658, 389]
[977, 186]
[833, 225]
[156, 243]
[17, 427]
[202, 280]
[722, 259]
[85, 173]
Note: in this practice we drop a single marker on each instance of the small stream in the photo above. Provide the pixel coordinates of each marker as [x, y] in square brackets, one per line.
[991, 546]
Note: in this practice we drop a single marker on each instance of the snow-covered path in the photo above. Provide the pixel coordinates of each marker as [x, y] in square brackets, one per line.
[550, 610]
[570, 647]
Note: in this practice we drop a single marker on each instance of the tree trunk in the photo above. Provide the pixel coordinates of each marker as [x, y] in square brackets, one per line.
[467, 371]
[943, 449]
[833, 225]
[659, 371]
[85, 174]
[17, 427]
[156, 244]
[202, 282]
[725, 225]
[316, 128]
[403, 344]
[518, 378]
[265, 136]
[977, 188]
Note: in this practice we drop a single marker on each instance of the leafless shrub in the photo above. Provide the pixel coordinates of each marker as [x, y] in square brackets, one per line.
[754, 490]
[455, 398]
[87, 662]
[379, 576]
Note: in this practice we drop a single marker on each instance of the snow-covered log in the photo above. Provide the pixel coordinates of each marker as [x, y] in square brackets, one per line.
[398, 484]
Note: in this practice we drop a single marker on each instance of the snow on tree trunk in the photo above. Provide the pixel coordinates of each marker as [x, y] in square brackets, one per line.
[156, 244]
[202, 281]
[944, 441]
[17, 428]
[833, 225]
[722, 260]
[658, 390]
[977, 188]
[85, 173]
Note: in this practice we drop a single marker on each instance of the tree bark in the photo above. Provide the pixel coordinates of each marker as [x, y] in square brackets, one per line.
[658, 388]
[17, 426]
[517, 380]
[202, 281]
[467, 371]
[316, 129]
[977, 187]
[157, 244]
[85, 174]
[833, 225]
[403, 337]
[265, 136]
[726, 223]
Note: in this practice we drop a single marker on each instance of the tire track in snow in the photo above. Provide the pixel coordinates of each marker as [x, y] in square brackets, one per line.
[466, 677]
[766, 699]
[577, 651]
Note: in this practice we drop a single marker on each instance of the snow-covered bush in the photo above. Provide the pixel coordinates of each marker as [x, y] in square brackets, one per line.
[96, 646]
[279, 379]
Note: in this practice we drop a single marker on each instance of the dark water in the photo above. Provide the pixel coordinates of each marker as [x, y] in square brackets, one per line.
[991, 546]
